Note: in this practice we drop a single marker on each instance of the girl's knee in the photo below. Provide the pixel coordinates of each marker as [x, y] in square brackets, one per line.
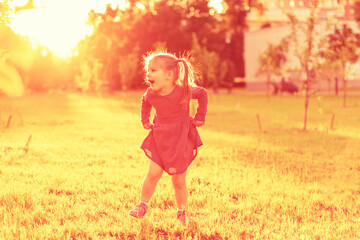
[154, 175]
[155, 172]
[179, 182]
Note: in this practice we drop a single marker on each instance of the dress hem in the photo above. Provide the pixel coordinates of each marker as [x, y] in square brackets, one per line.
[172, 174]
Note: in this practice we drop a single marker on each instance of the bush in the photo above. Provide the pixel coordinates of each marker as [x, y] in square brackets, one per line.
[88, 78]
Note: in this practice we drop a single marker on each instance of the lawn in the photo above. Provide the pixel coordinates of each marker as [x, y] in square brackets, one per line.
[83, 169]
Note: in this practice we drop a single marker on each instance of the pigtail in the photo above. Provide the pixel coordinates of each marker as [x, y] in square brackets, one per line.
[184, 73]
[186, 80]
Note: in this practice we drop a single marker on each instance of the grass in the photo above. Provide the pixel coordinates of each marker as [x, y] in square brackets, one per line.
[83, 170]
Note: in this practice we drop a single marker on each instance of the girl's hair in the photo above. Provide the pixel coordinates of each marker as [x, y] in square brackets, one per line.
[184, 73]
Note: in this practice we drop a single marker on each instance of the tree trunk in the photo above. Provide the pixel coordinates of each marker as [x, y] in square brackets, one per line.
[336, 86]
[215, 87]
[306, 105]
[345, 90]
[344, 83]
[268, 86]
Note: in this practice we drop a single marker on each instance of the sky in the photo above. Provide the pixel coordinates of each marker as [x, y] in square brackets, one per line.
[60, 25]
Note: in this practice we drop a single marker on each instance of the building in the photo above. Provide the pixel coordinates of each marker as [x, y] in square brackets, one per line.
[342, 8]
[273, 25]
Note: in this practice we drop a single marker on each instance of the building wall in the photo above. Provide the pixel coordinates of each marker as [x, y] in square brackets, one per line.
[303, 3]
[256, 42]
[340, 8]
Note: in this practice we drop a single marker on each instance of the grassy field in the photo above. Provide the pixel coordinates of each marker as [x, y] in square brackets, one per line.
[83, 170]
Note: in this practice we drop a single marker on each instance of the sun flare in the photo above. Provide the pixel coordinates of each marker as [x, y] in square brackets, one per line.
[57, 25]
[217, 5]
[60, 25]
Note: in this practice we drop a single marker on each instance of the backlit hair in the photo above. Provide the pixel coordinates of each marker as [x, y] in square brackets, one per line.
[181, 67]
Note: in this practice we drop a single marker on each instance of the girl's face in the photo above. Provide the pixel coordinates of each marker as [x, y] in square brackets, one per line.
[160, 79]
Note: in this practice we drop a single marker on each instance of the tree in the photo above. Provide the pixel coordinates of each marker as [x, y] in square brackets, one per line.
[4, 12]
[133, 32]
[123, 35]
[208, 63]
[109, 45]
[357, 11]
[4, 20]
[305, 53]
[342, 48]
[328, 70]
[235, 25]
[272, 61]
[88, 80]
[128, 66]
[15, 55]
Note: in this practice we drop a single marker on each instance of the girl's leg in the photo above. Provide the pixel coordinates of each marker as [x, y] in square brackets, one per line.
[181, 194]
[153, 176]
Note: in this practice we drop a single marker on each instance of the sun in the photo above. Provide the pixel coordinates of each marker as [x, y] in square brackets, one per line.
[217, 5]
[57, 25]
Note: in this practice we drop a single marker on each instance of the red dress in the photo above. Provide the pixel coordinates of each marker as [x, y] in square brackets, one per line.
[173, 141]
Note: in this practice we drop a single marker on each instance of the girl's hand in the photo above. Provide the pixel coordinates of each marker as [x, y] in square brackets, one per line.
[198, 123]
[148, 125]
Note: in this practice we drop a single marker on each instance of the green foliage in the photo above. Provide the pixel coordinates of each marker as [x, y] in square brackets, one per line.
[303, 40]
[343, 44]
[125, 34]
[4, 19]
[339, 49]
[128, 66]
[4, 12]
[357, 11]
[236, 13]
[3, 55]
[88, 79]
[166, 24]
[273, 59]
[122, 35]
[208, 61]
[234, 24]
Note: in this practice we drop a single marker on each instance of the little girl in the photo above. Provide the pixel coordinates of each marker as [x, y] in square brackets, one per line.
[173, 139]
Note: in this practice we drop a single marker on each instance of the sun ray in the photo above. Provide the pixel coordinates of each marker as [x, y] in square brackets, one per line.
[58, 25]
[217, 5]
